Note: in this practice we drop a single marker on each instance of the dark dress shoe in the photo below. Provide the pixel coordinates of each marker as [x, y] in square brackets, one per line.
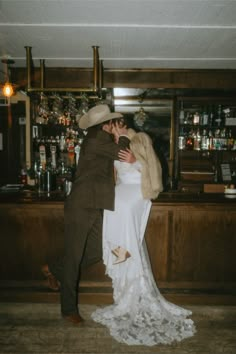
[53, 283]
[75, 319]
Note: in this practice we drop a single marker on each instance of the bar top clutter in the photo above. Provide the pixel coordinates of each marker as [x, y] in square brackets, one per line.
[19, 194]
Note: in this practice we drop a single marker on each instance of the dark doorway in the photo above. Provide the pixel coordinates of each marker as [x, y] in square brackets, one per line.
[12, 141]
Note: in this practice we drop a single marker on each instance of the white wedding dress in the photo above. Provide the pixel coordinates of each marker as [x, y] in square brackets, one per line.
[140, 315]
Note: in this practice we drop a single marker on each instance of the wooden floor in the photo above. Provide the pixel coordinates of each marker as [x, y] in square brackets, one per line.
[101, 292]
[37, 328]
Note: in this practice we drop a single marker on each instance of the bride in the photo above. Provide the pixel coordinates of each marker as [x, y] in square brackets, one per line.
[140, 315]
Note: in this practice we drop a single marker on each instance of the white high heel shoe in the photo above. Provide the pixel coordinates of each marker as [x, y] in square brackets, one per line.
[122, 254]
[115, 251]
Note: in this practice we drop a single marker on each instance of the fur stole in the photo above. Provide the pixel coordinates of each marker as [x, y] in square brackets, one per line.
[151, 174]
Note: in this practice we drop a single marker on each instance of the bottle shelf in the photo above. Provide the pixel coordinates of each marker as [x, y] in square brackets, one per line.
[206, 138]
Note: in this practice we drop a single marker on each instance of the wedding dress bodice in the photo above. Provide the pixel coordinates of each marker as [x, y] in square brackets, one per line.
[128, 173]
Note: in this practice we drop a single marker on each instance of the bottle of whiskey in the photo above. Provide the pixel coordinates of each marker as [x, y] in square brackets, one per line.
[196, 118]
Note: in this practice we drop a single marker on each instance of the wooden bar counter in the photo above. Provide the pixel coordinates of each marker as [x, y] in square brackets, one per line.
[191, 240]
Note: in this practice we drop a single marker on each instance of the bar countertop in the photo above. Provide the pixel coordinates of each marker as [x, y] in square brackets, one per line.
[25, 195]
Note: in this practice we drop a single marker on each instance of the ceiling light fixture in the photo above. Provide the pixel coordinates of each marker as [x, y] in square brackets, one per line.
[8, 87]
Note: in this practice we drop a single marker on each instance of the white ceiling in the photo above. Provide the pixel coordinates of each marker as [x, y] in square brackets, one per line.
[191, 34]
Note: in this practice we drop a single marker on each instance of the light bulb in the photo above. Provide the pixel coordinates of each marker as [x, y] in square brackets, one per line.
[7, 89]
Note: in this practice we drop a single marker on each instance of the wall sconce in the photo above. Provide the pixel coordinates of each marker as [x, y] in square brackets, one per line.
[7, 90]
[8, 87]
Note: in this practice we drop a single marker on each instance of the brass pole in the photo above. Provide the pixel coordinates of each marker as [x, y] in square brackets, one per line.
[42, 72]
[95, 68]
[96, 76]
[100, 78]
[60, 89]
[28, 65]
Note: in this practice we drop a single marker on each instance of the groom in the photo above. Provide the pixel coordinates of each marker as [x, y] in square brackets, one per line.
[92, 192]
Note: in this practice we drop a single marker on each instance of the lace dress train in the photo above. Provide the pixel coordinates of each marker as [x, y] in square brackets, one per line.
[140, 315]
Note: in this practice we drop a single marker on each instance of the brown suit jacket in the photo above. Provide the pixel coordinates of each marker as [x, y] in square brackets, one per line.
[93, 186]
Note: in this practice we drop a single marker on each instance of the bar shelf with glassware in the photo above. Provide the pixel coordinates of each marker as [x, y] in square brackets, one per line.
[56, 139]
[206, 132]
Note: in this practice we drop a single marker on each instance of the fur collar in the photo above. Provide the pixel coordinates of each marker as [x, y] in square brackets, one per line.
[141, 146]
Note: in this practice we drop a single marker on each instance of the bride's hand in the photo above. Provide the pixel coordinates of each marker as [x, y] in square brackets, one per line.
[126, 156]
[118, 130]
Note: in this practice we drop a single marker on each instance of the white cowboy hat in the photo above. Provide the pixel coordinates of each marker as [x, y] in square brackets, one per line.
[96, 115]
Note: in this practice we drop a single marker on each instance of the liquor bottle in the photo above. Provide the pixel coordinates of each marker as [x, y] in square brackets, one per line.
[42, 155]
[197, 140]
[204, 117]
[71, 151]
[182, 139]
[53, 150]
[190, 118]
[23, 176]
[223, 139]
[196, 118]
[204, 140]
[62, 142]
[186, 118]
[230, 140]
[181, 114]
[211, 140]
[218, 120]
[211, 117]
[189, 141]
[68, 119]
